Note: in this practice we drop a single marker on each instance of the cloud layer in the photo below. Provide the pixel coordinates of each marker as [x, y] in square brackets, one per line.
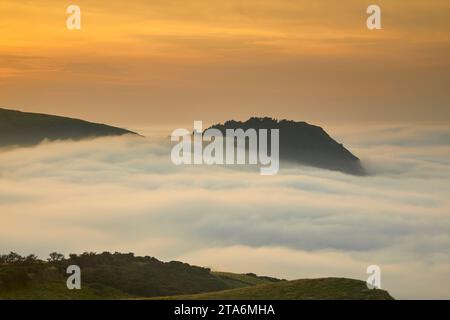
[124, 194]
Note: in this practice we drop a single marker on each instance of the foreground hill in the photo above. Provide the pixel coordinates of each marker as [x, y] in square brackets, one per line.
[125, 276]
[303, 143]
[111, 276]
[26, 129]
[305, 289]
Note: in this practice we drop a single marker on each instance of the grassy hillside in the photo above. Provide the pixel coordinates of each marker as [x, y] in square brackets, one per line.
[305, 289]
[124, 276]
[234, 280]
[111, 276]
[57, 290]
[25, 128]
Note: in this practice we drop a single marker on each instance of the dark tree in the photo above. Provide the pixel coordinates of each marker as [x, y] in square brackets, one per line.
[55, 257]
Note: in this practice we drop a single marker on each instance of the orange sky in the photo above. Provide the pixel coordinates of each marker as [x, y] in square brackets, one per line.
[165, 61]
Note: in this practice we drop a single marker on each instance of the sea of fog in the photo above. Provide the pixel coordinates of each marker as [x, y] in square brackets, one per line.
[124, 194]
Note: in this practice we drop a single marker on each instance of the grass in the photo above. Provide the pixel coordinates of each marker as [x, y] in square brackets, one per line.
[235, 280]
[125, 276]
[305, 289]
[57, 290]
[247, 287]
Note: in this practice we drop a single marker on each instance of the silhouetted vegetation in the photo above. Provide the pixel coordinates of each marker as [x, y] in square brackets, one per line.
[302, 143]
[117, 274]
[16, 271]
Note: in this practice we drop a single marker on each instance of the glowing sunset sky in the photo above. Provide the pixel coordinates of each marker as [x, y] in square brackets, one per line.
[165, 61]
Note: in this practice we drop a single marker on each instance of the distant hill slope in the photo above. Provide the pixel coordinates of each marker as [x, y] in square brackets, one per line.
[234, 280]
[305, 289]
[303, 143]
[125, 276]
[26, 129]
